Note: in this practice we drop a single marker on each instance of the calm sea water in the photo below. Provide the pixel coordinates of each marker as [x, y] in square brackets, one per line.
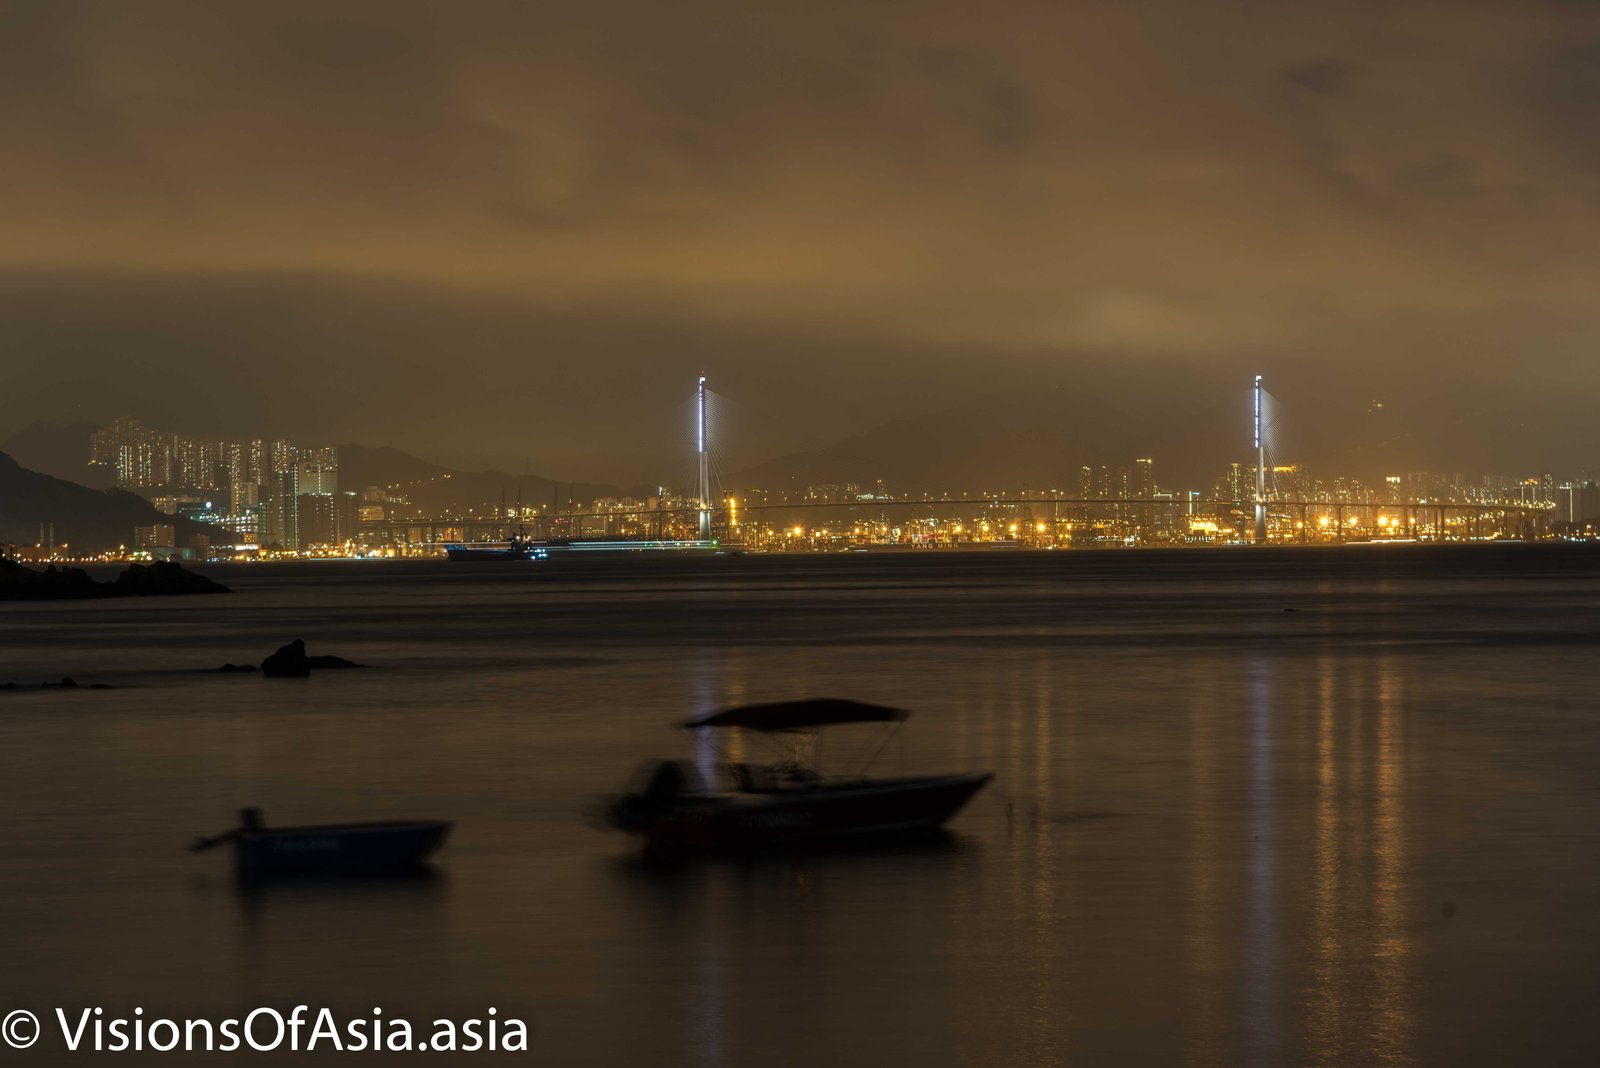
[1363, 831]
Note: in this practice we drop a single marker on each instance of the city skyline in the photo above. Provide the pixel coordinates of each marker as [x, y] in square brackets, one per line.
[1200, 448]
[255, 496]
[147, 459]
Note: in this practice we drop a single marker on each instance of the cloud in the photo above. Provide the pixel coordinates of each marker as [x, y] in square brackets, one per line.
[1029, 182]
[1325, 77]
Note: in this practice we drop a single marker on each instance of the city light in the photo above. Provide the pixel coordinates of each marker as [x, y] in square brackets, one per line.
[279, 500]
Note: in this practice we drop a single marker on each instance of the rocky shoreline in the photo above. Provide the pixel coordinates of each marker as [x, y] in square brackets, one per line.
[161, 579]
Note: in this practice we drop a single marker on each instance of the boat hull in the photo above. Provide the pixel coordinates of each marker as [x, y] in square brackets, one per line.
[882, 807]
[478, 553]
[358, 845]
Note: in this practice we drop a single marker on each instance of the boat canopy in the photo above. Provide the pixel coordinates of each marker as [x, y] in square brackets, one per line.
[799, 715]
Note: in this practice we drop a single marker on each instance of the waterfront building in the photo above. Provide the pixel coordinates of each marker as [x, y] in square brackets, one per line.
[282, 510]
[316, 520]
[156, 536]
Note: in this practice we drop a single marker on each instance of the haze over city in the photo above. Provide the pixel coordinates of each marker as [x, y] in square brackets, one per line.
[727, 533]
[510, 235]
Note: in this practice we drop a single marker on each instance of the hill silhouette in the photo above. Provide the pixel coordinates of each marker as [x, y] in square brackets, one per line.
[86, 519]
[433, 486]
[1002, 441]
[58, 449]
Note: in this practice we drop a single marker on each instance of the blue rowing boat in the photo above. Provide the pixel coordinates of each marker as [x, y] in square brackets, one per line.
[339, 846]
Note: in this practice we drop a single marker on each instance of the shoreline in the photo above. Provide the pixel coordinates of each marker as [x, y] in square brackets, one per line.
[1576, 544]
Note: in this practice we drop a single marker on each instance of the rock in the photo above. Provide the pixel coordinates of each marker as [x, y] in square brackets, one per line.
[72, 583]
[320, 662]
[9, 686]
[164, 577]
[237, 667]
[20, 583]
[66, 682]
[289, 662]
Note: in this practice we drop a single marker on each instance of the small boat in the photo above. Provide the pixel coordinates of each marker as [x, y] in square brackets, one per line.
[258, 848]
[734, 805]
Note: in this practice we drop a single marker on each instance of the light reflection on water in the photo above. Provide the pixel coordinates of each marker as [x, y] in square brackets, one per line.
[1328, 974]
[1220, 834]
[1264, 950]
[1205, 1003]
[1393, 993]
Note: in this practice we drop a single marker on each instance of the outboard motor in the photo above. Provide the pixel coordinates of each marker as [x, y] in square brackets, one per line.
[663, 782]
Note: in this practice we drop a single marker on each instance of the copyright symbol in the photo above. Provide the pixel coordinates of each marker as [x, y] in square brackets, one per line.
[21, 1029]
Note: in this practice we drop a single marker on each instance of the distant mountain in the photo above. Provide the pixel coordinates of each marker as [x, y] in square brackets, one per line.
[1001, 442]
[432, 486]
[58, 449]
[361, 466]
[84, 518]
[992, 445]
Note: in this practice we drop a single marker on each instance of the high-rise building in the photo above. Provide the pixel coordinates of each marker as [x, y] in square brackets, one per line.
[282, 511]
[198, 464]
[346, 517]
[1577, 501]
[282, 457]
[1285, 482]
[317, 474]
[242, 495]
[140, 457]
[316, 519]
[255, 461]
[317, 481]
[1144, 479]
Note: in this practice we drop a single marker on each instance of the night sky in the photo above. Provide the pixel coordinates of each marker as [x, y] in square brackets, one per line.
[515, 232]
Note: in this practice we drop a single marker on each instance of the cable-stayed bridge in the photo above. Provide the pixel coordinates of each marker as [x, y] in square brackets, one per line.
[1257, 514]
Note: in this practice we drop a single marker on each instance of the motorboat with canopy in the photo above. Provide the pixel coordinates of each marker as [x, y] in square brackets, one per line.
[720, 803]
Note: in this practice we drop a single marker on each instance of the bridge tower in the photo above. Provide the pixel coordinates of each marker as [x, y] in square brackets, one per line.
[705, 469]
[1261, 473]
